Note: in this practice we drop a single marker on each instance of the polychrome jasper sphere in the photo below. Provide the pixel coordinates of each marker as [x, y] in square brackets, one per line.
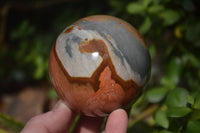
[98, 64]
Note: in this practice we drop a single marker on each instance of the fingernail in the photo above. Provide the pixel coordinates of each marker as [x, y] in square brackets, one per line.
[59, 105]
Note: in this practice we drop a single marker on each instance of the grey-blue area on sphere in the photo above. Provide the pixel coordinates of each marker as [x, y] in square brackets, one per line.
[69, 40]
[129, 56]
[126, 42]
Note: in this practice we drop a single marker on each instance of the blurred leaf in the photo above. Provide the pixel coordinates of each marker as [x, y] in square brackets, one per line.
[178, 33]
[52, 94]
[4, 131]
[155, 9]
[140, 127]
[178, 111]
[152, 50]
[116, 4]
[146, 2]
[165, 131]
[23, 31]
[156, 94]
[41, 66]
[22, 51]
[135, 8]
[10, 123]
[169, 16]
[146, 25]
[190, 99]
[167, 83]
[161, 119]
[193, 127]
[174, 71]
[193, 60]
[197, 102]
[195, 115]
[177, 98]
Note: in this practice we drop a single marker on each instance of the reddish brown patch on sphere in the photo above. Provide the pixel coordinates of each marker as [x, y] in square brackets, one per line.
[68, 30]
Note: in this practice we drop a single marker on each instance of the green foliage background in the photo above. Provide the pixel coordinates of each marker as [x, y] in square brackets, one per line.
[171, 29]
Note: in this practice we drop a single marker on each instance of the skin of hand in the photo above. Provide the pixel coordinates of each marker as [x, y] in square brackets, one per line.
[60, 119]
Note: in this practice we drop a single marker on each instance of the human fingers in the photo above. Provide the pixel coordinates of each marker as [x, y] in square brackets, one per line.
[88, 124]
[117, 122]
[57, 120]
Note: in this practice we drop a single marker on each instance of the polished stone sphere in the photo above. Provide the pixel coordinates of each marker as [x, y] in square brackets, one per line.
[98, 64]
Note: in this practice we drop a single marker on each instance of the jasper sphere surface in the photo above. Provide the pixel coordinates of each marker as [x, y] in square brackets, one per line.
[98, 64]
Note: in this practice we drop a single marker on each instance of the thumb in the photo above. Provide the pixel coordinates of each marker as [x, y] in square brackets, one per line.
[56, 121]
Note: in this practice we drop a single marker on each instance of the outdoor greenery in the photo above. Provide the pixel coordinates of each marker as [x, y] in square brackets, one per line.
[171, 29]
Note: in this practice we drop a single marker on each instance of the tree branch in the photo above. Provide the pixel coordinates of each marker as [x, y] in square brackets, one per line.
[148, 112]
